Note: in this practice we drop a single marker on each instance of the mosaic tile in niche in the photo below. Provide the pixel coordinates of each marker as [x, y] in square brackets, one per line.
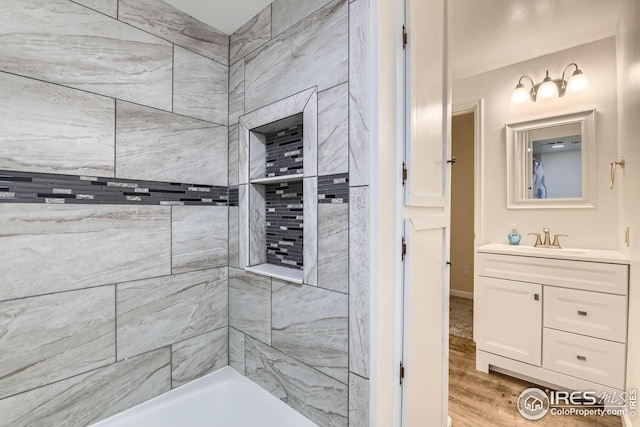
[284, 152]
[285, 223]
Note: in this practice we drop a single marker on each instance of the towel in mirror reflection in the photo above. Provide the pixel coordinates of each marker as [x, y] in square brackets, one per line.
[539, 185]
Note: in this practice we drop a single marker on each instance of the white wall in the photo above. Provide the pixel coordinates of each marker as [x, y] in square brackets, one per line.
[589, 228]
[628, 187]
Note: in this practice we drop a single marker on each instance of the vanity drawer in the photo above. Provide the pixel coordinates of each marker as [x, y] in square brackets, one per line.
[588, 276]
[591, 359]
[587, 313]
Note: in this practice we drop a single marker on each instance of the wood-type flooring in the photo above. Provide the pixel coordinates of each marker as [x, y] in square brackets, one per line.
[477, 399]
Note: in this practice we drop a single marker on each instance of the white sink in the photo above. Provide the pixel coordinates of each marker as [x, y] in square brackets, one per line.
[578, 254]
[545, 251]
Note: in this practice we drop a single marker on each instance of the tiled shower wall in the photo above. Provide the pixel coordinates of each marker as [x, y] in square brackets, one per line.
[114, 112]
[309, 345]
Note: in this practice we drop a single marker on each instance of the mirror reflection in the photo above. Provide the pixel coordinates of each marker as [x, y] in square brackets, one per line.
[554, 156]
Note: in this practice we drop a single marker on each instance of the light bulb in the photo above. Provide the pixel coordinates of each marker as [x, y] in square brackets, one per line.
[578, 82]
[520, 95]
[548, 89]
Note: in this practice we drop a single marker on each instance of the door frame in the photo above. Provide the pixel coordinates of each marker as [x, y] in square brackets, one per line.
[474, 106]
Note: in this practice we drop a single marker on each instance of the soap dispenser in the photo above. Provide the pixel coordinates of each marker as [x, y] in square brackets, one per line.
[514, 237]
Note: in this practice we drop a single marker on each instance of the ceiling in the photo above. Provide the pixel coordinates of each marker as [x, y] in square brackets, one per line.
[224, 15]
[490, 34]
[486, 34]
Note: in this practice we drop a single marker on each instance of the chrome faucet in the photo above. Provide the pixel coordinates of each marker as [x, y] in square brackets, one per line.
[547, 240]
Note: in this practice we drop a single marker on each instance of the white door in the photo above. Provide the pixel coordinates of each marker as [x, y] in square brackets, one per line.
[509, 319]
[426, 216]
[427, 110]
[426, 323]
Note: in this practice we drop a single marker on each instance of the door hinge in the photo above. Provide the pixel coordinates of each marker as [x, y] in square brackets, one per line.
[404, 249]
[401, 373]
[404, 173]
[405, 37]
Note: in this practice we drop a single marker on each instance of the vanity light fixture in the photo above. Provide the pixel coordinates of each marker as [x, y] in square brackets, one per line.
[550, 88]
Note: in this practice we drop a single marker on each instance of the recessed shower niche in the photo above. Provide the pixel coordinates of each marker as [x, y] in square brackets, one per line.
[278, 189]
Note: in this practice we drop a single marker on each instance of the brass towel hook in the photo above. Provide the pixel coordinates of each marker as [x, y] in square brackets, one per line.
[612, 179]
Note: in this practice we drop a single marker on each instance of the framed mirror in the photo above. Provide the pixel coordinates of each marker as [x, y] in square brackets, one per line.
[550, 162]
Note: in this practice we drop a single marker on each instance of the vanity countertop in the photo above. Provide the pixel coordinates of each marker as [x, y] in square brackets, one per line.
[576, 254]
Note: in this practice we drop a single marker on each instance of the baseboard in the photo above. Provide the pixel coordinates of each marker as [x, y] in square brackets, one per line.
[461, 294]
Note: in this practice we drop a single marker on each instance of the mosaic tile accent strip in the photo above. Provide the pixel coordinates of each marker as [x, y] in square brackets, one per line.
[333, 188]
[29, 187]
[285, 152]
[285, 222]
[234, 196]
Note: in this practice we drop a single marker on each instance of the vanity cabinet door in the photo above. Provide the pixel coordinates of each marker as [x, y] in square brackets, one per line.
[509, 319]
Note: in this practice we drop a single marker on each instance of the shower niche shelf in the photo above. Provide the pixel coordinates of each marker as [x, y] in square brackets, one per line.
[278, 204]
[278, 179]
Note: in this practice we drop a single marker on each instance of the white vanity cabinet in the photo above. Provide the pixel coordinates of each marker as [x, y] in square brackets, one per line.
[555, 318]
[511, 317]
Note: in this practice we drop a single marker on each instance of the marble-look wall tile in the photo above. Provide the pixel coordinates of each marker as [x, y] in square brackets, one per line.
[317, 396]
[310, 231]
[359, 281]
[108, 7]
[199, 237]
[243, 153]
[257, 155]
[199, 356]
[47, 338]
[234, 255]
[333, 246]
[253, 34]
[359, 90]
[236, 91]
[233, 155]
[52, 129]
[200, 87]
[257, 225]
[164, 20]
[358, 401]
[310, 136]
[63, 42]
[333, 130]
[54, 248]
[250, 304]
[158, 146]
[311, 324]
[287, 13]
[91, 397]
[157, 312]
[236, 350]
[289, 106]
[243, 226]
[313, 53]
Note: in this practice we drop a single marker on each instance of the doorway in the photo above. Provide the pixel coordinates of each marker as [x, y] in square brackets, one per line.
[462, 225]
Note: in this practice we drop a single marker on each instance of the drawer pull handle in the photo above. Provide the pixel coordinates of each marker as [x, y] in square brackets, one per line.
[582, 313]
[583, 358]
[536, 297]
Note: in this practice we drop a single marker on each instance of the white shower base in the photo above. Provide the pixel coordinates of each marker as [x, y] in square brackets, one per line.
[223, 398]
